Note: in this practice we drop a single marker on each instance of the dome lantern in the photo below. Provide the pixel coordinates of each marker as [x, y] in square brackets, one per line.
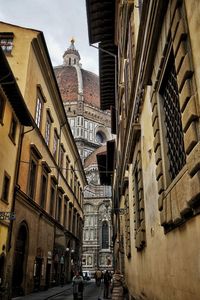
[71, 56]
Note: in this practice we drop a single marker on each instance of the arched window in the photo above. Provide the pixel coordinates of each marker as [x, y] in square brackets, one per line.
[100, 137]
[105, 235]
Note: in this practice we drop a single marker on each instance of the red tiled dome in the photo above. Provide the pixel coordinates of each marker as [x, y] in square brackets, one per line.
[68, 82]
[67, 79]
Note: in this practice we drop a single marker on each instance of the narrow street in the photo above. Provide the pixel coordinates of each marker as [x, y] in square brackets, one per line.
[91, 292]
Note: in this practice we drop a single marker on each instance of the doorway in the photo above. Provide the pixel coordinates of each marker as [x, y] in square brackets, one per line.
[19, 265]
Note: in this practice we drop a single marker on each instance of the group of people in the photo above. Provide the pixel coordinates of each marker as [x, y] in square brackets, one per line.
[114, 286]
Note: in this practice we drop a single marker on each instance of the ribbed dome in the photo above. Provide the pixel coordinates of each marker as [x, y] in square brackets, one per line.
[67, 78]
[74, 81]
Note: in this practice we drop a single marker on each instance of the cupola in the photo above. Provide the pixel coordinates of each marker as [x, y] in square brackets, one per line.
[71, 56]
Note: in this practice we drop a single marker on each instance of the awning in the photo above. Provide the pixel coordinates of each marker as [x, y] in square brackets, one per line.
[12, 91]
[101, 27]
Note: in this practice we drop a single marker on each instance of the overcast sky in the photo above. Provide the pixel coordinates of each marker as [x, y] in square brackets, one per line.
[59, 20]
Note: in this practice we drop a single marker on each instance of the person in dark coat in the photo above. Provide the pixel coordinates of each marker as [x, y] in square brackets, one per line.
[107, 281]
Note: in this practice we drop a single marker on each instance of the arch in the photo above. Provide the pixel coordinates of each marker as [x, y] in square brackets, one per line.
[20, 260]
[102, 133]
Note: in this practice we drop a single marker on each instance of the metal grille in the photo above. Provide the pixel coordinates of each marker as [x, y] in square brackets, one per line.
[174, 131]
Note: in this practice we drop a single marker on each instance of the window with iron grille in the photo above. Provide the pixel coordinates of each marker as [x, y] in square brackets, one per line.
[127, 226]
[172, 119]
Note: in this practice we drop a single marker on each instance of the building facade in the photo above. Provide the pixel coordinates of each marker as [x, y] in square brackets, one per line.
[156, 186]
[13, 116]
[91, 128]
[47, 232]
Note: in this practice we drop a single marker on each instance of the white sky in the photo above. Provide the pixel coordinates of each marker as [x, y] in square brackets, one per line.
[59, 20]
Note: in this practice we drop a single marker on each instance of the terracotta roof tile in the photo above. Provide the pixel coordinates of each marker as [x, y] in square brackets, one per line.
[68, 83]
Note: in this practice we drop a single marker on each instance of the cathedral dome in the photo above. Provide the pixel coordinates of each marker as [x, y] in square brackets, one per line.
[76, 83]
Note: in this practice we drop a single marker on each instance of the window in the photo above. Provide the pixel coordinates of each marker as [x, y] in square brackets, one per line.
[86, 135]
[32, 177]
[69, 61]
[78, 121]
[48, 129]
[43, 189]
[65, 215]
[105, 235]
[2, 108]
[100, 138]
[127, 226]
[13, 129]
[67, 168]
[172, 119]
[38, 112]
[6, 186]
[71, 178]
[86, 124]
[91, 136]
[70, 219]
[138, 202]
[61, 158]
[59, 207]
[78, 132]
[75, 185]
[6, 42]
[74, 224]
[91, 126]
[72, 122]
[52, 199]
[55, 144]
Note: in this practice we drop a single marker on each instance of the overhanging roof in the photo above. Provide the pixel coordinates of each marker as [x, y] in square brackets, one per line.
[101, 161]
[12, 91]
[101, 27]
[101, 17]
[107, 72]
[105, 161]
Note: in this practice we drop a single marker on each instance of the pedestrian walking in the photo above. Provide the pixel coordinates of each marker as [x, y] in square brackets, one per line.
[107, 281]
[78, 286]
[98, 277]
[117, 286]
